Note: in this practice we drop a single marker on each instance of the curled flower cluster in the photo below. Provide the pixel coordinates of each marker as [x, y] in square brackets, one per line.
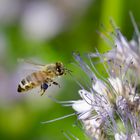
[110, 108]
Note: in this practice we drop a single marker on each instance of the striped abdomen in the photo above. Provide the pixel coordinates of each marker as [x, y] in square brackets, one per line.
[32, 81]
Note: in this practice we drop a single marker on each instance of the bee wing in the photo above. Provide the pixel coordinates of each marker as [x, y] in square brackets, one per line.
[26, 67]
[29, 64]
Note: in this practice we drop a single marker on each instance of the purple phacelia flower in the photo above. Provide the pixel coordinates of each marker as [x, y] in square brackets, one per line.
[110, 107]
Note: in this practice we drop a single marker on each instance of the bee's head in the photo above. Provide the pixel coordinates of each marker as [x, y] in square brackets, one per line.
[60, 68]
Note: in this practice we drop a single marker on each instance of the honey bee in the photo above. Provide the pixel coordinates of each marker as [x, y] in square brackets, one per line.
[44, 77]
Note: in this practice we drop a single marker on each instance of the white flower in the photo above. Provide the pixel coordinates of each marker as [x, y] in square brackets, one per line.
[124, 53]
[107, 102]
[110, 107]
[127, 52]
[120, 136]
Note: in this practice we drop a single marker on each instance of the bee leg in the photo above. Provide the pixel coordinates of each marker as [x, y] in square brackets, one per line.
[42, 92]
[55, 83]
[43, 87]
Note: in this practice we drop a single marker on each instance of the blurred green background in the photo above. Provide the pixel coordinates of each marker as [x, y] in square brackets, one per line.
[48, 31]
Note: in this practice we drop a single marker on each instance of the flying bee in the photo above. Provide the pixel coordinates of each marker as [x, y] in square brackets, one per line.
[44, 77]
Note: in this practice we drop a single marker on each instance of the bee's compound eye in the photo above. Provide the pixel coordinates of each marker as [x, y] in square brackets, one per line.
[45, 86]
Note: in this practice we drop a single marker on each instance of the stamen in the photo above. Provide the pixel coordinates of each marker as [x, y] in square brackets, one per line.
[57, 119]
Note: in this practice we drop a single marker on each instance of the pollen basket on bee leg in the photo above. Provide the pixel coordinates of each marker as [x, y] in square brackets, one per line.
[44, 87]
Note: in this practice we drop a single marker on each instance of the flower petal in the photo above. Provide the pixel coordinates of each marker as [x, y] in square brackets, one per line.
[81, 106]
